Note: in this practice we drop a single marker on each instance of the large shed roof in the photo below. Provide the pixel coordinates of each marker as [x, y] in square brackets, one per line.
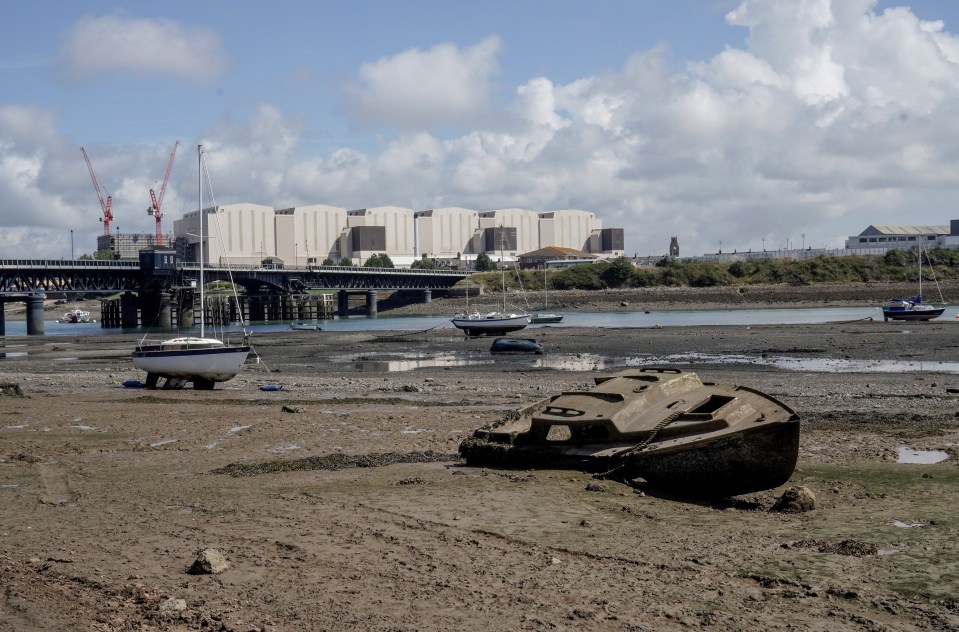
[893, 229]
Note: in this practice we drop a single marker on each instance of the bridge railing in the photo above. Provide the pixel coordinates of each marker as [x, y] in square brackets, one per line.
[341, 269]
[102, 264]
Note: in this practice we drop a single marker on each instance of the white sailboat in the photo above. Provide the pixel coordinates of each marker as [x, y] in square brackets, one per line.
[201, 360]
[476, 323]
[545, 316]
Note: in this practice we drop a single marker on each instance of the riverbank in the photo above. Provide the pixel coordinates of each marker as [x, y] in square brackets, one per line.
[626, 300]
[108, 493]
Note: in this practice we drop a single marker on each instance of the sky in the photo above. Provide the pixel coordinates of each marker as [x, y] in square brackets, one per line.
[733, 125]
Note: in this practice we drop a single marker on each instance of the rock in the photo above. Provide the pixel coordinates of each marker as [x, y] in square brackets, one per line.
[796, 500]
[209, 562]
[289, 408]
[595, 487]
[172, 605]
[9, 389]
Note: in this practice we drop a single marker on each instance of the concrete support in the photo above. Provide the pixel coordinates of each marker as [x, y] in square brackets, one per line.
[35, 315]
[427, 296]
[3, 319]
[371, 303]
[128, 310]
[165, 316]
[343, 304]
[257, 309]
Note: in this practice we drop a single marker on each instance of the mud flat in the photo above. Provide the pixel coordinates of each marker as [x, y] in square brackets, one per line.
[339, 502]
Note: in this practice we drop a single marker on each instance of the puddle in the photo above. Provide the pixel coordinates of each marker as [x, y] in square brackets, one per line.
[888, 551]
[20, 427]
[923, 457]
[236, 429]
[157, 444]
[908, 524]
[9, 485]
[593, 362]
[83, 427]
[9, 355]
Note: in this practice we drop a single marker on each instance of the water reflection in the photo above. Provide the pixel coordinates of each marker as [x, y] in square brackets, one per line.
[594, 362]
[922, 457]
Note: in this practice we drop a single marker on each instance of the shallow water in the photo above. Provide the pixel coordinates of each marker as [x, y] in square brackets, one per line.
[923, 457]
[652, 318]
[389, 363]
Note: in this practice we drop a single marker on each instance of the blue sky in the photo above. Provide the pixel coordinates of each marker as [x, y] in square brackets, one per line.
[749, 122]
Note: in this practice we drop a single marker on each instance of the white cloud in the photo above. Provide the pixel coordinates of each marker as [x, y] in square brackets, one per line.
[142, 47]
[829, 117]
[444, 85]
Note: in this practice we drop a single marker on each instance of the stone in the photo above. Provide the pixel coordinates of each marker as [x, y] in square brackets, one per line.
[209, 562]
[172, 605]
[796, 500]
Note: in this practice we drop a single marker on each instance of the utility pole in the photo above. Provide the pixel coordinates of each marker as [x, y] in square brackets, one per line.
[71, 243]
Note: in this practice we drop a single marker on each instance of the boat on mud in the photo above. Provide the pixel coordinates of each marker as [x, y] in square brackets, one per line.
[516, 345]
[305, 327]
[663, 425]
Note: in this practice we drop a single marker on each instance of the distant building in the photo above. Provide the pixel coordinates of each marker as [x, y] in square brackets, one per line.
[674, 246]
[127, 246]
[551, 255]
[897, 236]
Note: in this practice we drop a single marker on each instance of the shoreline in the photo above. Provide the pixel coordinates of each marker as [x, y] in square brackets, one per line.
[622, 300]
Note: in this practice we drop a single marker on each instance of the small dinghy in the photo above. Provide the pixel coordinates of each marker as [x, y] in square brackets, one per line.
[516, 345]
[662, 425]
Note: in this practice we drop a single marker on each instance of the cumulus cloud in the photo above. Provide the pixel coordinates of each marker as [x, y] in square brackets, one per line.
[444, 85]
[828, 117]
[141, 47]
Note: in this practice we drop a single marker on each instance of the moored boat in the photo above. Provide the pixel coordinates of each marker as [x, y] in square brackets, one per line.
[75, 316]
[911, 308]
[490, 323]
[516, 345]
[305, 327]
[663, 425]
[201, 360]
[541, 318]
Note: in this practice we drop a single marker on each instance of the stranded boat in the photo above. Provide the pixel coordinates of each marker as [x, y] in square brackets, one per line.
[663, 425]
[913, 308]
[75, 316]
[516, 345]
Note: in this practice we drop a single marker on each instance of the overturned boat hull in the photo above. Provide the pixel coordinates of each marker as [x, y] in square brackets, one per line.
[661, 425]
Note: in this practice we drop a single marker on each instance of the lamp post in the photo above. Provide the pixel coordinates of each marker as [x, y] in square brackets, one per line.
[71, 243]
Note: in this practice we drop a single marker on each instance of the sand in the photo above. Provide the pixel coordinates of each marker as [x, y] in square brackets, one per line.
[108, 494]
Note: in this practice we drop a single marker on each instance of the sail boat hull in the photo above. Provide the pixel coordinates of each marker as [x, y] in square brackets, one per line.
[191, 359]
[911, 312]
[491, 324]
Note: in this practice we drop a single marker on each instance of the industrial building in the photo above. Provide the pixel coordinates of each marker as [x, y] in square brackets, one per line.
[896, 236]
[248, 234]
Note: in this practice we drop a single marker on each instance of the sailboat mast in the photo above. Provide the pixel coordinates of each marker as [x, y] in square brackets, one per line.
[920, 272]
[502, 260]
[199, 171]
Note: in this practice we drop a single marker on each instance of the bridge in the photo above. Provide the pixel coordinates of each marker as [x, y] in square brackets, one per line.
[153, 277]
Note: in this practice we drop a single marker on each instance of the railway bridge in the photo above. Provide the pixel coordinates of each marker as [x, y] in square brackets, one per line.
[150, 287]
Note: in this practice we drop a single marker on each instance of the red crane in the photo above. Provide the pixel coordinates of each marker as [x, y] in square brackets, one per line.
[157, 200]
[107, 213]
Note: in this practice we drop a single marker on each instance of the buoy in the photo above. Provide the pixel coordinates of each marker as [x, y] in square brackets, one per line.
[270, 387]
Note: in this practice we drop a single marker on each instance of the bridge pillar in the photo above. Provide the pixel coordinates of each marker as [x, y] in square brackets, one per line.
[128, 311]
[256, 309]
[371, 303]
[165, 315]
[427, 296]
[35, 314]
[3, 318]
[343, 304]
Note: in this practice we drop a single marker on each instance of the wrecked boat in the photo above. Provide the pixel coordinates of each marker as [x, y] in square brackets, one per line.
[662, 425]
[516, 345]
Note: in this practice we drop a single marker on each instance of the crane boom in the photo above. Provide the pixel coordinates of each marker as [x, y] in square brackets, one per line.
[156, 201]
[104, 204]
